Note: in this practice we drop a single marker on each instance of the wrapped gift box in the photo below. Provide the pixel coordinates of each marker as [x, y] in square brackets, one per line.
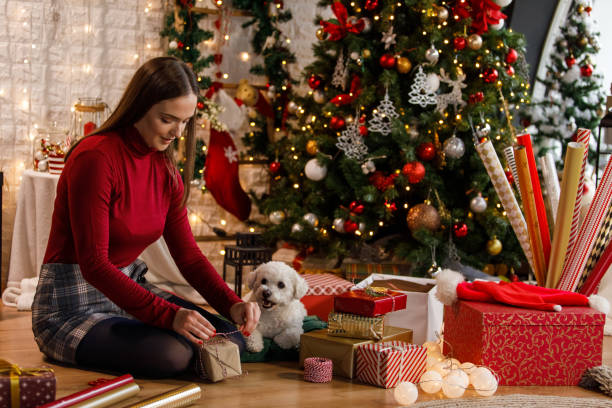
[524, 346]
[219, 359]
[370, 301]
[423, 313]
[390, 363]
[341, 349]
[36, 386]
[356, 270]
[355, 326]
[326, 284]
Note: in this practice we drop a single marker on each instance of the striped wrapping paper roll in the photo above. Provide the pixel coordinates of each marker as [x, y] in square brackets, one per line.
[176, 398]
[604, 236]
[318, 370]
[592, 283]
[577, 259]
[390, 363]
[489, 158]
[89, 393]
[509, 154]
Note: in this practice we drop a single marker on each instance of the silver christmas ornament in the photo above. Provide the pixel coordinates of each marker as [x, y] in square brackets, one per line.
[478, 204]
[367, 24]
[312, 219]
[292, 107]
[483, 129]
[173, 44]
[497, 26]
[362, 227]
[354, 55]
[277, 217]
[368, 167]
[295, 228]
[318, 96]
[454, 147]
[338, 225]
[432, 82]
[314, 170]
[432, 55]
[43, 165]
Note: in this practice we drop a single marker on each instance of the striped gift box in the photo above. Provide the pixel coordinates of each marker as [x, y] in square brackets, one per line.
[326, 284]
[388, 364]
[355, 326]
[56, 164]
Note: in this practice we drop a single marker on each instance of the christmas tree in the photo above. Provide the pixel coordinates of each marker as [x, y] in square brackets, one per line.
[574, 94]
[384, 159]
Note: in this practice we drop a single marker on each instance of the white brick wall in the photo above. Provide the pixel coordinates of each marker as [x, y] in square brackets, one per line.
[53, 51]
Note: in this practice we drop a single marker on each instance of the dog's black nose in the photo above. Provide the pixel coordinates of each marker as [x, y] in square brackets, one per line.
[266, 293]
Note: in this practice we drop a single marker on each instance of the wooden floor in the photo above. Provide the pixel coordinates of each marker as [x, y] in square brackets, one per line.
[266, 384]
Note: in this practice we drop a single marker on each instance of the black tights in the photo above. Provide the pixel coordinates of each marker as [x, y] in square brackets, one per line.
[130, 346]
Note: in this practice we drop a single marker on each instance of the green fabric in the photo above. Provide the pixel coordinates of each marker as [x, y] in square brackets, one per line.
[273, 352]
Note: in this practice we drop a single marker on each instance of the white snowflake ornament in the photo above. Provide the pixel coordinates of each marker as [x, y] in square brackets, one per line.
[352, 144]
[381, 121]
[340, 76]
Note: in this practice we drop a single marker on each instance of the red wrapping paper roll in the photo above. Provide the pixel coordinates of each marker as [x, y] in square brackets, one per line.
[592, 283]
[89, 393]
[525, 140]
[318, 370]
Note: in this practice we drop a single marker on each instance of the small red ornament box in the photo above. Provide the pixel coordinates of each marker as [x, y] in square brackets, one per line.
[359, 302]
[524, 346]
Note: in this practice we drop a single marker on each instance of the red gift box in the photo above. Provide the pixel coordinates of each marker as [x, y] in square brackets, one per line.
[32, 386]
[366, 303]
[524, 346]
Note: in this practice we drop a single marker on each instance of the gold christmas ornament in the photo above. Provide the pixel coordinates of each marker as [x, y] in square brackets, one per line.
[321, 34]
[580, 9]
[423, 216]
[501, 269]
[489, 269]
[583, 41]
[442, 14]
[311, 147]
[403, 65]
[366, 53]
[474, 41]
[494, 246]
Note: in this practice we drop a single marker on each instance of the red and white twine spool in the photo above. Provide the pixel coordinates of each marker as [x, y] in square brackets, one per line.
[318, 370]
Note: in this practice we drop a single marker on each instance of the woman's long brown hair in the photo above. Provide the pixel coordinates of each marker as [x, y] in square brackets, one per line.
[156, 80]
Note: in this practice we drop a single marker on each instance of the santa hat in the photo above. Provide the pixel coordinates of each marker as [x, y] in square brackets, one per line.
[452, 286]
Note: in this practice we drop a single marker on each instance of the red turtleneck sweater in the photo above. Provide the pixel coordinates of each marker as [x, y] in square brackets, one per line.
[114, 198]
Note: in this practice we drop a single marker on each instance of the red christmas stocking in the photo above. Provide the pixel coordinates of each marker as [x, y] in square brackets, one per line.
[221, 175]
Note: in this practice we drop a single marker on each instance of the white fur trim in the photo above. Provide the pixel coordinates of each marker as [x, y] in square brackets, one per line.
[447, 281]
[557, 308]
[599, 303]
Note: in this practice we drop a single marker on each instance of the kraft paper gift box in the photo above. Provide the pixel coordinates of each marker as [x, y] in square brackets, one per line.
[390, 363]
[219, 359]
[423, 313]
[341, 350]
[369, 302]
[30, 387]
[524, 346]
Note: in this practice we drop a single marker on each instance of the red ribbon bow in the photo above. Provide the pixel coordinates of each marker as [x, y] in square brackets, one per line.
[482, 13]
[346, 99]
[338, 30]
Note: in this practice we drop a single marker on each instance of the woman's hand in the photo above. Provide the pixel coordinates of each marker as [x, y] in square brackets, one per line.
[193, 326]
[246, 315]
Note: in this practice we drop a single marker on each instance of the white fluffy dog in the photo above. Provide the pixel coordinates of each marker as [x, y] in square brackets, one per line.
[277, 289]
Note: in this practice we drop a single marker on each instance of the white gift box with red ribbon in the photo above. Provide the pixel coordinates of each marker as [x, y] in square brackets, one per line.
[390, 363]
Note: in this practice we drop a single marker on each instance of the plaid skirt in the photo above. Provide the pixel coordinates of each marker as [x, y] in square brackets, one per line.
[66, 307]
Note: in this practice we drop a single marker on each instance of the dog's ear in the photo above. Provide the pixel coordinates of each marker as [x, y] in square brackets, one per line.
[300, 286]
[251, 279]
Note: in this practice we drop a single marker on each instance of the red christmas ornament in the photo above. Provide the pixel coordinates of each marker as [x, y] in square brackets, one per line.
[490, 75]
[180, 44]
[415, 171]
[476, 97]
[482, 139]
[88, 128]
[459, 43]
[363, 130]
[275, 167]
[586, 70]
[525, 122]
[371, 5]
[350, 226]
[588, 9]
[510, 70]
[390, 206]
[387, 61]
[314, 81]
[426, 151]
[336, 122]
[362, 119]
[200, 105]
[570, 61]
[460, 229]
[356, 207]
[509, 176]
[511, 56]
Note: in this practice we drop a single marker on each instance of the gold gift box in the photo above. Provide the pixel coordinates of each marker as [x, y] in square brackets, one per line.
[355, 326]
[341, 350]
[219, 359]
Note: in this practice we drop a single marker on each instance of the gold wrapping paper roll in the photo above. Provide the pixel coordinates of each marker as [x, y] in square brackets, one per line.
[569, 189]
[354, 326]
[179, 397]
[110, 398]
[531, 215]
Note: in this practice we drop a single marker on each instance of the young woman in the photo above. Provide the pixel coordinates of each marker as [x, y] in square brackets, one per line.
[118, 193]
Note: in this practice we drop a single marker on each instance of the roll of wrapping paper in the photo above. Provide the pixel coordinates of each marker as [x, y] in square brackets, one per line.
[179, 397]
[592, 283]
[506, 196]
[88, 393]
[509, 154]
[531, 213]
[603, 237]
[525, 140]
[563, 224]
[589, 230]
[110, 398]
[551, 187]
